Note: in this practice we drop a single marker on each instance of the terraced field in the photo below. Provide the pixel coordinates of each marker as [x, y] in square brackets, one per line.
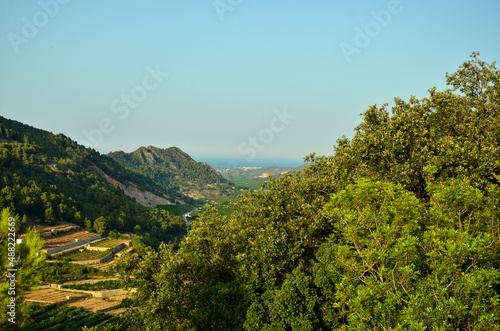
[120, 297]
[67, 238]
[110, 243]
[59, 227]
[94, 304]
[116, 311]
[104, 266]
[52, 295]
[87, 255]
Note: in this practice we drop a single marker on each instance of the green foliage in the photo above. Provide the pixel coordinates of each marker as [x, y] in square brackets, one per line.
[126, 303]
[114, 234]
[68, 319]
[223, 205]
[59, 315]
[22, 261]
[398, 230]
[458, 134]
[212, 311]
[460, 289]
[110, 242]
[82, 320]
[177, 210]
[375, 248]
[101, 224]
[50, 178]
[247, 183]
[60, 272]
[108, 326]
[478, 81]
[99, 286]
[35, 310]
[292, 307]
[252, 178]
[113, 324]
[86, 255]
[175, 170]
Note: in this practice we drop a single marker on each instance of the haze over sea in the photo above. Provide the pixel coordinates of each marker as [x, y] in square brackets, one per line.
[228, 162]
[271, 79]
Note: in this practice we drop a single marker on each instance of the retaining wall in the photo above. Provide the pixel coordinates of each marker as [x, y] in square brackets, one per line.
[129, 252]
[98, 249]
[107, 257]
[118, 248]
[76, 244]
[103, 293]
[86, 262]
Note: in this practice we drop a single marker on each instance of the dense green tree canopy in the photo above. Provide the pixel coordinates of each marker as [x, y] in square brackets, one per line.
[398, 230]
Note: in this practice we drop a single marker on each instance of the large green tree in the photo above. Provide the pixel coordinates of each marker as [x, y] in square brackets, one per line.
[397, 230]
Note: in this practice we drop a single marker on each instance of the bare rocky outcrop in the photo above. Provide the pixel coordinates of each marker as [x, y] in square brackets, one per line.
[175, 170]
[145, 198]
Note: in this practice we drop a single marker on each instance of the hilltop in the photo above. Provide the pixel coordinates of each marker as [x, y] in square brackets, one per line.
[48, 178]
[176, 171]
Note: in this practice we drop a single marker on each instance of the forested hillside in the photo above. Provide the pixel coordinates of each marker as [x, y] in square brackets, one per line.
[47, 178]
[175, 170]
[397, 230]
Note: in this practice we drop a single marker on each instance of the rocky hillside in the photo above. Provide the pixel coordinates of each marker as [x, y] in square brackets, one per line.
[47, 178]
[144, 197]
[176, 171]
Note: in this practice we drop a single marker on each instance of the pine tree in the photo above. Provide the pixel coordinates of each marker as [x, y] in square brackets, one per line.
[20, 268]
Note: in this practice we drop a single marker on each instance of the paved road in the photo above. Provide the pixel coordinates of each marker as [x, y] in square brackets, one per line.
[184, 216]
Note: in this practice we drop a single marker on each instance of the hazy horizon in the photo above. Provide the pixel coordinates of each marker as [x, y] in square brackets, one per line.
[255, 80]
[234, 162]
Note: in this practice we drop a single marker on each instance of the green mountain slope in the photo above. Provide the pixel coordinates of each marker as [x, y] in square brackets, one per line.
[47, 178]
[176, 171]
[252, 177]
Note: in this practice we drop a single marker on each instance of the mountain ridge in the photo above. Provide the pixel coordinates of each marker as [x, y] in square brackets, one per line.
[47, 178]
[175, 170]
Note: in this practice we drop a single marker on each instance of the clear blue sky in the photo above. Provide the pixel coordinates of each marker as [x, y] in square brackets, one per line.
[263, 79]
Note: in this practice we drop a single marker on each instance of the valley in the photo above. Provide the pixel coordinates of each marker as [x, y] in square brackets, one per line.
[252, 177]
[398, 226]
[175, 171]
[92, 210]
